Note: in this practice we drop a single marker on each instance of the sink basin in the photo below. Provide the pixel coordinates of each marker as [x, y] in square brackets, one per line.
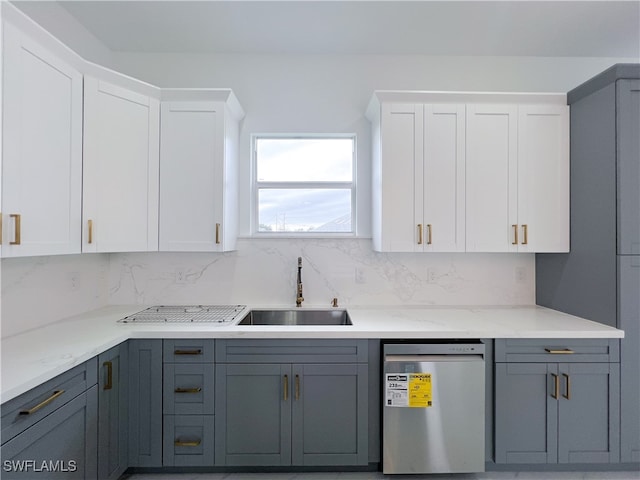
[297, 317]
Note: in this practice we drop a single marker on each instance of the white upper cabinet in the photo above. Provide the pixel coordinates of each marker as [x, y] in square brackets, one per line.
[121, 168]
[491, 203]
[517, 178]
[543, 178]
[198, 173]
[418, 173]
[41, 150]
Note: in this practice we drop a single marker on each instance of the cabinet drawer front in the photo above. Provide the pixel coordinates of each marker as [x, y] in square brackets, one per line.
[44, 399]
[188, 351]
[188, 388]
[188, 440]
[292, 351]
[557, 350]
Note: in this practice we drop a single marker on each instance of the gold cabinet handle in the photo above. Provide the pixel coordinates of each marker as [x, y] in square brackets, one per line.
[525, 235]
[179, 443]
[286, 388]
[188, 390]
[17, 219]
[42, 404]
[297, 394]
[419, 234]
[217, 234]
[556, 386]
[197, 351]
[515, 232]
[429, 234]
[564, 351]
[568, 383]
[89, 232]
[109, 383]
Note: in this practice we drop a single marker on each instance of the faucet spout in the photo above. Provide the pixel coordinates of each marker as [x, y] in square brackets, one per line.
[299, 297]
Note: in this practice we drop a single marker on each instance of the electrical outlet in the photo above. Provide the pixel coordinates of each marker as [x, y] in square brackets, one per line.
[360, 278]
[74, 280]
[181, 276]
[432, 275]
[521, 274]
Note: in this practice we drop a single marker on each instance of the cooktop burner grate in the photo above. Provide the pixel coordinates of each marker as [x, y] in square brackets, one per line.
[187, 314]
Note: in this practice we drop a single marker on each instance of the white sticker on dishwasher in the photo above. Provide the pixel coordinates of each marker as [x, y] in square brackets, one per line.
[408, 390]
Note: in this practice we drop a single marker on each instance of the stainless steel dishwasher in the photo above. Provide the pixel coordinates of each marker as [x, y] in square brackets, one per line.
[433, 414]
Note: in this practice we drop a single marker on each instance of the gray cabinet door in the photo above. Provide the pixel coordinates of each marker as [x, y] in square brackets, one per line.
[113, 421]
[145, 403]
[63, 445]
[629, 321]
[330, 410]
[253, 414]
[526, 413]
[628, 156]
[589, 413]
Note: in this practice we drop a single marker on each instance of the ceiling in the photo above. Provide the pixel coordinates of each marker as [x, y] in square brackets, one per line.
[518, 28]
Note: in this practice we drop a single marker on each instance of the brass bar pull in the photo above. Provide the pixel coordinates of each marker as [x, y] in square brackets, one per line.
[515, 232]
[42, 404]
[556, 386]
[564, 351]
[286, 388]
[429, 231]
[297, 397]
[217, 234]
[89, 232]
[197, 351]
[568, 381]
[419, 234]
[16, 239]
[179, 443]
[109, 383]
[525, 234]
[188, 390]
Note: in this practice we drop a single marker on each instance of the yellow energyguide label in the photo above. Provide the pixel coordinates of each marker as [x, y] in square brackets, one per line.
[420, 390]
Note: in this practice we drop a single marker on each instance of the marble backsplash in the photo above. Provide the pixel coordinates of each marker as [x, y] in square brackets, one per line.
[41, 290]
[263, 272]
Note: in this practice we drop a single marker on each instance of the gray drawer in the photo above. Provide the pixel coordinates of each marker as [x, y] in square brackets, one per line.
[188, 350]
[44, 399]
[292, 351]
[188, 440]
[557, 350]
[188, 388]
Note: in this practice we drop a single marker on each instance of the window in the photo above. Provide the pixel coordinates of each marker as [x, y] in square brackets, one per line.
[304, 185]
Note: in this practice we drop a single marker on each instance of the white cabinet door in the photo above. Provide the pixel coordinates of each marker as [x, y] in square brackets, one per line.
[191, 176]
[491, 169]
[42, 150]
[121, 163]
[543, 178]
[440, 198]
[397, 185]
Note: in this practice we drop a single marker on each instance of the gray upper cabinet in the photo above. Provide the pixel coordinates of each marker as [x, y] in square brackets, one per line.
[292, 402]
[145, 403]
[113, 420]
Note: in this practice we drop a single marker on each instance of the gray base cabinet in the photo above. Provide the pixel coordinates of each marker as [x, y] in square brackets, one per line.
[556, 412]
[113, 420]
[271, 413]
[51, 431]
[145, 403]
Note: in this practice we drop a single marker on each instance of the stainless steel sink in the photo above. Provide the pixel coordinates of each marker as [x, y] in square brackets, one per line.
[297, 317]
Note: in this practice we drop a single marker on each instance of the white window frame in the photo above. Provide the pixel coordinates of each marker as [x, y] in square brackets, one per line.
[256, 186]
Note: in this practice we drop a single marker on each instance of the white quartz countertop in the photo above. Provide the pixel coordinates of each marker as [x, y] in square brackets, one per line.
[33, 357]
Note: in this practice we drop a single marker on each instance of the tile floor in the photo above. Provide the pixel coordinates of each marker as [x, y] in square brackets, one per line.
[380, 476]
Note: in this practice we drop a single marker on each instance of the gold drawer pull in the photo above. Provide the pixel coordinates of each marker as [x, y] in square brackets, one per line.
[90, 231]
[429, 236]
[17, 219]
[188, 390]
[197, 351]
[515, 231]
[556, 386]
[419, 234]
[217, 234]
[42, 404]
[564, 351]
[297, 387]
[568, 380]
[109, 383]
[525, 234]
[286, 387]
[179, 443]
